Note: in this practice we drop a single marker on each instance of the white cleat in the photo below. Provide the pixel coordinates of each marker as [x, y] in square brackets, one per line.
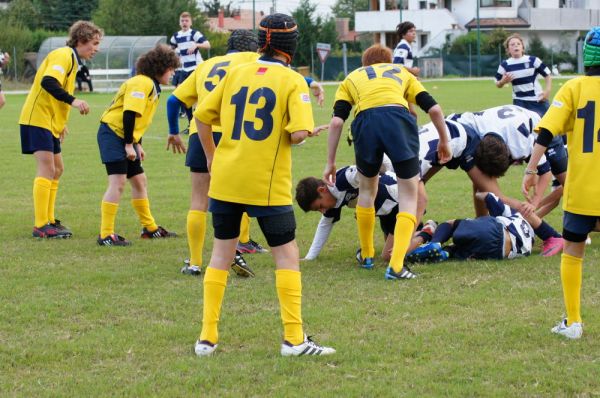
[308, 347]
[573, 332]
[204, 348]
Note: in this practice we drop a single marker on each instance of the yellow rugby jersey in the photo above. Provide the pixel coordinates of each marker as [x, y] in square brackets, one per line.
[258, 106]
[207, 76]
[575, 112]
[378, 85]
[43, 110]
[138, 94]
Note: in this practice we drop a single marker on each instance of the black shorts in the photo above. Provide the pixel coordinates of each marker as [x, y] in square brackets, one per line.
[277, 223]
[388, 129]
[557, 156]
[35, 139]
[195, 158]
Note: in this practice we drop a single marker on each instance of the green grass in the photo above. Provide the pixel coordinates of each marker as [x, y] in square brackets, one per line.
[84, 321]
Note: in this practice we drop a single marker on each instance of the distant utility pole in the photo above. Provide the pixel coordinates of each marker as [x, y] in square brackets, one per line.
[274, 6]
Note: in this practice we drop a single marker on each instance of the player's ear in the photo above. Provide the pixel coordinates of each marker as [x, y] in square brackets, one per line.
[321, 189]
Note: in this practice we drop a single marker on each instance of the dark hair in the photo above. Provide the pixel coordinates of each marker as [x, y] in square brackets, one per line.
[278, 35]
[376, 54]
[491, 156]
[156, 61]
[307, 193]
[404, 27]
[242, 40]
[82, 32]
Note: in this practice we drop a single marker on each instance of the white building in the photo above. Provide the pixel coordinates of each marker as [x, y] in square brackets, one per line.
[558, 23]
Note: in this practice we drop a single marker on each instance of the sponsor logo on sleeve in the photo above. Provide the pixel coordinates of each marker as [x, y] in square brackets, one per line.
[304, 97]
[138, 94]
[557, 104]
[59, 69]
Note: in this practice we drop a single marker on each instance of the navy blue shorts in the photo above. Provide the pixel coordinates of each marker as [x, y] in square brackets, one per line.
[35, 139]
[195, 158]
[479, 238]
[576, 227]
[112, 147]
[538, 107]
[179, 76]
[388, 129]
[557, 156]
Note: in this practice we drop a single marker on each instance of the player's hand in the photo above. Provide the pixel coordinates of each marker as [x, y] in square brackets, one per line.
[416, 71]
[529, 182]
[329, 174]
[63, 134]
[6, 59]
[507, 78]
[130, 152]
[81, 105]
[175, 143]
[526, 209]
[317, 130]
[142, 153]
[190, 51]
[444, 152]
[543, 96]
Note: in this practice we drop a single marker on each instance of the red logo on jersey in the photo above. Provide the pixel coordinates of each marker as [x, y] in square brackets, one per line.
[261, 71]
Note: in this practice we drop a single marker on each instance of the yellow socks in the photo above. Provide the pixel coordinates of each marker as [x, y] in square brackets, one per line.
[52, 201]
[403, 231]
[365, 219]
[245, 228]
[570, 274]
[142, 208]
[109, 214]
[215, 281]
[196, 230]
[289, 291]
[41, 198]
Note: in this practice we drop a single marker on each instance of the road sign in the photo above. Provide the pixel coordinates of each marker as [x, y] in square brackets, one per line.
[323, 50]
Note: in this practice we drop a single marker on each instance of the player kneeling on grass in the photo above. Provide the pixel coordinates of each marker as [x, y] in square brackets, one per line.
[313, 194]
[381, 93]
[263, 108]
[44, 121]
[505, 233]
[574, 112]
[119, 137]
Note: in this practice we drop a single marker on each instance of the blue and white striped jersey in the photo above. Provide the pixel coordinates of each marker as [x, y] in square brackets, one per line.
[182, 42]
[403, 54]
[520, 231]
[511, 122]
[463, 141]
[524, 70]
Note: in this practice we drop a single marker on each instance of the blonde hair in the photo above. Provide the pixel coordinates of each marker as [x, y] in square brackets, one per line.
[185, 14]
[82, 32]
[513, 36]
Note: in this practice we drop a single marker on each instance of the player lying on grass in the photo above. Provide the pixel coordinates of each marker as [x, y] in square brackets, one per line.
[241, 48]
[120, 141]
[574, 113]
[380, 92]
[505, 233]
[484, 162]
[312, 194]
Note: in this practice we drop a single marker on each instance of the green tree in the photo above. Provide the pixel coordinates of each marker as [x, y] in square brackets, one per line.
[141, 16]
[347, 8]
[312, 30]
[212, 8]
[60, 14]
[536, 48]
[22, 13]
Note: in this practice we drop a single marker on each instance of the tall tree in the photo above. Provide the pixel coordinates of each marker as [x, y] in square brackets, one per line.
[347, 9]
[312, 30]
[212, 8]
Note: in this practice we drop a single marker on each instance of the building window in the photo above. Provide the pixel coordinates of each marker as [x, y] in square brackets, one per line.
[423, 40]
[422, 5]
[495, 3]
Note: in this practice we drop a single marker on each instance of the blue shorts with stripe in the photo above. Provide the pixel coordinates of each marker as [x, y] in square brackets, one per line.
[195, 158]
[388, 129]
[35, 139]
[479, 238]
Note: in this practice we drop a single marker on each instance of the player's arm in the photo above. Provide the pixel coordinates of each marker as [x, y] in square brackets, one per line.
[174, 140]
[548, 89]
[128, 129]
[341, 111]
[502, 77]
[322, 233]
[202, 42]
[530, 179]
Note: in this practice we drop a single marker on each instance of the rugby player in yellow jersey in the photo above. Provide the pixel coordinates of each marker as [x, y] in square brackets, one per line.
[380, 92]
[263, 107]
[241, 48]
[575, 112]
[120, 141]
[44, 118]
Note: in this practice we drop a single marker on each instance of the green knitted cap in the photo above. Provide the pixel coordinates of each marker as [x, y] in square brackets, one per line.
[591, 47]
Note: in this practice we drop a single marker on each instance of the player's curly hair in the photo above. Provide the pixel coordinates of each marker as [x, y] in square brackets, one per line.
[513, 36]
[306, 192]
[491, 156]
[83, 32]
[278, 35]
[155, 62]
[404, 27]
[376, 54]
[242, 40]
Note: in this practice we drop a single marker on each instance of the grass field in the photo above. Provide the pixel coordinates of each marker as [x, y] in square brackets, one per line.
[78, 320]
